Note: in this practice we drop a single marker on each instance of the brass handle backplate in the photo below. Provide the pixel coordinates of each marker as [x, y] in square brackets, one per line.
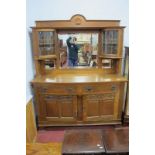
[88, 88]
[113, 88]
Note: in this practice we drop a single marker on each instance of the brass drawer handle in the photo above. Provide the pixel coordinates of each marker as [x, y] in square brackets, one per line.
[88, 88]
[43, 90]
[113, 88]
[70, 90]
[50, 97]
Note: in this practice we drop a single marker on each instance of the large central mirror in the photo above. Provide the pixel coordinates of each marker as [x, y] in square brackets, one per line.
[78, 49]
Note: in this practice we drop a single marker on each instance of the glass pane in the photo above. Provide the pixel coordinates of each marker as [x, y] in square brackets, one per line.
[110, 41]
[78, 49]
[46, 43]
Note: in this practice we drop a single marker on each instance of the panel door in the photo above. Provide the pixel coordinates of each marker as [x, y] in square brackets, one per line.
[61, 108]
[99, 107]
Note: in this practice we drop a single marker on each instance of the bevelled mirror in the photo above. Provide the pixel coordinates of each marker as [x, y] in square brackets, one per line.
[78, 49]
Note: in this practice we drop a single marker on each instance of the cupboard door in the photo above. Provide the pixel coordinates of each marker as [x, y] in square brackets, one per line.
[107, 107]
[52, 106]
[68, 106]
[46, 42]
[98, 107]
[61, 107]
[112, 42]
[92, 105]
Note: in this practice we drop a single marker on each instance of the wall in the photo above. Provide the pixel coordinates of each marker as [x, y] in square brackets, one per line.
[64, 9]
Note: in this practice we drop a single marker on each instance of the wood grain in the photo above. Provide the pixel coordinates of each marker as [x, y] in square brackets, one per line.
[78, 21]
[78, 77]
[31, 130]
[77, 84]
[116, 140]
[83, 141]
[43, 149]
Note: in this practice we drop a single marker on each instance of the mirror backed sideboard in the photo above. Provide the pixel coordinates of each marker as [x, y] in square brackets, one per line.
[90, 92]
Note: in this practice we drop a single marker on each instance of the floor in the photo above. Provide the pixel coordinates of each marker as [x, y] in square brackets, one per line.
[44, 136]
[57, 135]
[43, 148]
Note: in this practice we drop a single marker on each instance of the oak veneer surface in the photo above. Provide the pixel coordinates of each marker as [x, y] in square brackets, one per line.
[77, 21]
[83, 141]
[79, 78]
[31, 130]
[43, 149]
[66, 97]
[116, 140]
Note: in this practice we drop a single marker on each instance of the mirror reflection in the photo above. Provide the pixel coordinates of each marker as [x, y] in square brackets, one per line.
[78, 49]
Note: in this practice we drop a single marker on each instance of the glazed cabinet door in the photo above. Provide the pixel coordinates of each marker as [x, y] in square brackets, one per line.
[60, 107]
[46, 42]
[112, 42]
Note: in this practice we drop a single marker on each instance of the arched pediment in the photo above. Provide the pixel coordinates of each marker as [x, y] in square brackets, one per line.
[77, 21]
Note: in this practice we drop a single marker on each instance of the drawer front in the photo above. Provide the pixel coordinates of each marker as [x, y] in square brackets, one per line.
[56, 89]
[100, 88]
[79, 89]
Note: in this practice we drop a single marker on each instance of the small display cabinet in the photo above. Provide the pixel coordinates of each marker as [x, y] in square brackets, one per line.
[92, 91]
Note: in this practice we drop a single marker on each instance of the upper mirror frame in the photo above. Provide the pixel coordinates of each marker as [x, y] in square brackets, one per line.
[77, 21]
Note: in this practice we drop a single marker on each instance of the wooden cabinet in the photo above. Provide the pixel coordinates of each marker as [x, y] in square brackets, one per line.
[80, 95]
[73, 104]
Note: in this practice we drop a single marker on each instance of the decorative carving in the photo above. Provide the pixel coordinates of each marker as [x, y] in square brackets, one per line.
[58, 89]
[59, 98]
[78, 19]
[107, 96]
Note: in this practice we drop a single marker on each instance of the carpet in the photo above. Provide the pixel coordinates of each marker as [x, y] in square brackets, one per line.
[44, 136]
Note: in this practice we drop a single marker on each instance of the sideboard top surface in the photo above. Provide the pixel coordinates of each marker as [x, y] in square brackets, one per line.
[79, 78]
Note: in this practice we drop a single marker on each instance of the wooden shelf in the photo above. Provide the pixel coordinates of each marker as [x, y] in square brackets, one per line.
[110, 57]
[45, 57]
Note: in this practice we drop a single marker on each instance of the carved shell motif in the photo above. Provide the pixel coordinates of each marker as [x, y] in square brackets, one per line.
[78, 19]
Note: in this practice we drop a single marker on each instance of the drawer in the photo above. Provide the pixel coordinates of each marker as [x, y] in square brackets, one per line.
[100, 88]
[56, 89]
